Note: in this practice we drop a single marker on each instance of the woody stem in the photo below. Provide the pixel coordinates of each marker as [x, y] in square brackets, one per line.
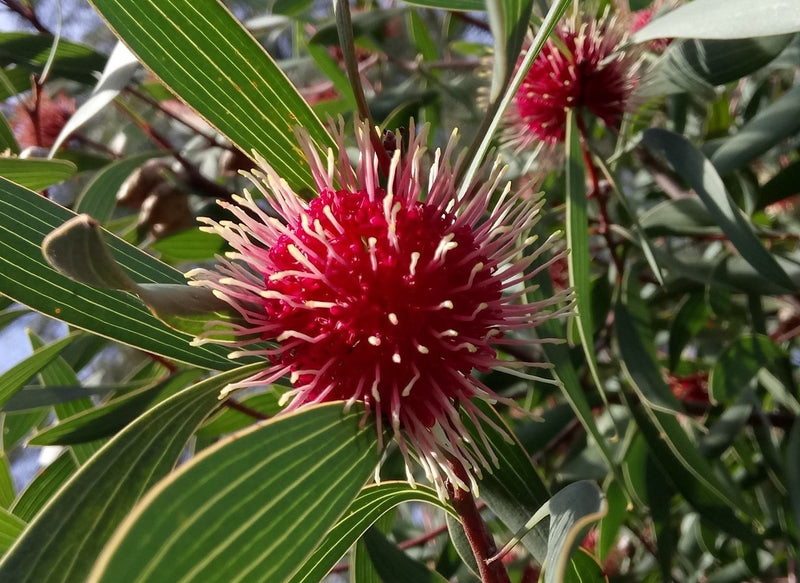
[478, 535]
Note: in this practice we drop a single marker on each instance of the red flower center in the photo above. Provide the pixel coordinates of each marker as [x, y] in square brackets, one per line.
[385, 302]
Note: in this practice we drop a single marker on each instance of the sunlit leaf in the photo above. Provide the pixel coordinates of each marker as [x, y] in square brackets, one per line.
[209, 60]
[62, 543]
[297, 474]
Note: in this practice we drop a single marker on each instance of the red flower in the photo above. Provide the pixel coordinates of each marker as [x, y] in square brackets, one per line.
[582, 68]
[642, 18]
[38, 124]
[388, 296]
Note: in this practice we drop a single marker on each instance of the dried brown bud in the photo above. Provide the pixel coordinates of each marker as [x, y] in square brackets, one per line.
[142, 182]
[166, 211]
[230, 162]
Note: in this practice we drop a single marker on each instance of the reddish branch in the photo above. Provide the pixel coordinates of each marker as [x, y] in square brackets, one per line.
[478, 535]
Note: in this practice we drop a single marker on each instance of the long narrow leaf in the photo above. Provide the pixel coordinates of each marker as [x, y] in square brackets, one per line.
[372, 503]
[25, 219]
[250, 508]
[212, 63]
[63, 542]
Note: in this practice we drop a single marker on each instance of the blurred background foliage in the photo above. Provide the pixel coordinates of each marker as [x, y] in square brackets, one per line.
[678, 389]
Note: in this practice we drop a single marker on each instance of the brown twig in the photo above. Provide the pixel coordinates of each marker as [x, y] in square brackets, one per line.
[242, 408]
[26, 12]
[159, 107]
[194, 177]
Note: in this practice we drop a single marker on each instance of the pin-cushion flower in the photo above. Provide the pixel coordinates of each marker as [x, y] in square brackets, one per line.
[390, 291]
[583, 66]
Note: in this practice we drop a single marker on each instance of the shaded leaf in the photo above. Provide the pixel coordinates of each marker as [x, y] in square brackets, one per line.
[692, 317]
[59, 372]
[372, 502]
[110, 417]
[784, 184]
[695, 168]
[395, 566]
[770, 126]
[71, 60]
[682, 217]
[34, 173]
[739, 364]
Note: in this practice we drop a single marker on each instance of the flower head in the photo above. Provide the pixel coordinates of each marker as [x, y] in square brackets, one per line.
[388, 293]
[641, 18]
[583, 67]
[38, 122]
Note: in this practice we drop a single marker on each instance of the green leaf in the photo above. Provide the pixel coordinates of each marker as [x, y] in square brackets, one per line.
[697, 66]
[372, 503]
[10, 528]
[727, 428]
[674, 450]
[229, 420]
[59, 372]
[7, 139]
[695, 168]
[106, 419]
[8, 316]
[421, 37]
[190, 245]
[770, 126]
[44, 486]
[578, 244]
[98, 199]
[250, 508]
[62, 543]
[681, 217]
[569, 381]
[692, 317]
[211, 62]
[485, 134]
[14, 378]
[71, 60]
[16, 426]
[395, 566]
[460, 5]
[571, 510]
[781, 186]
[7, 491]
[26, 218]
[34, 396]
[330, 67]
[739, 364]
[34, 173]
[724, 20]
[508, 21]
[793, 472]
